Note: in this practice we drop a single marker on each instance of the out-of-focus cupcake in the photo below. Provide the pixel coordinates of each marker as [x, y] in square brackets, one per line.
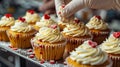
[45, 21]
[75, 33]
[49, 43]
[98, 28]
[6, 21]
[31, 17]
[112, 47]
[20, 34]
[88, 55]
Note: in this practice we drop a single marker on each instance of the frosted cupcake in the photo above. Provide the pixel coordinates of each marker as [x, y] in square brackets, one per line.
[112, 47]
[32, 17]
[98, 28]
[45, 21]
[75, 33]
[88, 55]
[48, 43]
[20, 34]
[6, 21]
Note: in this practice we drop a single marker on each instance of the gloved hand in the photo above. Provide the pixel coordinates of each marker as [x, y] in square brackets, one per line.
[59, 3]
[76, 5]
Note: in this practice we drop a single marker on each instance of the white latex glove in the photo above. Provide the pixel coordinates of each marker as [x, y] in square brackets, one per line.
[76, 5]
[58, 3]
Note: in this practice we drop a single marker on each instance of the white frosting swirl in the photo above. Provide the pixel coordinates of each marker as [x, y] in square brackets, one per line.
[96, 23]
[86, 54]
[111, 45]
[7, 21]
[31, 18]
[50, 35]
[45, 22]
[21, 27]
[76, 30]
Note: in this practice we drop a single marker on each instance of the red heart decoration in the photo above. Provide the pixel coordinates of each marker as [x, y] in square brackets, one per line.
[21, 19]
[99, 17]
[116, 34]
[92, 44]
[46, 16]
[63, 6]
[31, 11]
[8, 15]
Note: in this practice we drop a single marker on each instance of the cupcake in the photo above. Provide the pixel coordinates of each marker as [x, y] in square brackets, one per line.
[75, 33]
[31, 17]
[46, 20]
[6, 21]
[98, 28]
[88, 55]
[112, 47]
[20, 34]
[48, 43]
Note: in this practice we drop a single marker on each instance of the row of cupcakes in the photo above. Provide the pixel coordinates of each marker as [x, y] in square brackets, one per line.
[31, 17]
[90, 54]
[49, 43]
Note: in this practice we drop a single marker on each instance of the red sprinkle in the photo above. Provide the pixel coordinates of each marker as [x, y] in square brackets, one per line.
[21, 19]
[10, 46]
[30, 50]
[8, 15]
[14, 48]
[31, 11]
[46, 16]
[53, 26]
[98, 17]
[77, 20]
[92, 44]
[52, 62]
[42, 61]
[31, 56]
[116, 34]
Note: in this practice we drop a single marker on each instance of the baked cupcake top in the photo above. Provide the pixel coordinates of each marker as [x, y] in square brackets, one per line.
[76, 29]
[89, 53]
[112, 44]
[49, 34]
[97, 23]
[45, 21]
[7, 20]
[31, 17]
[21, 26]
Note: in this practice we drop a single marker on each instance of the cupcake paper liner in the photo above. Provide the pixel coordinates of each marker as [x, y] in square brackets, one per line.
[20, 40]
[3, 36]
[116, 60]
[71, 63]
[73, 43]
[99, 37]
[48, 51]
